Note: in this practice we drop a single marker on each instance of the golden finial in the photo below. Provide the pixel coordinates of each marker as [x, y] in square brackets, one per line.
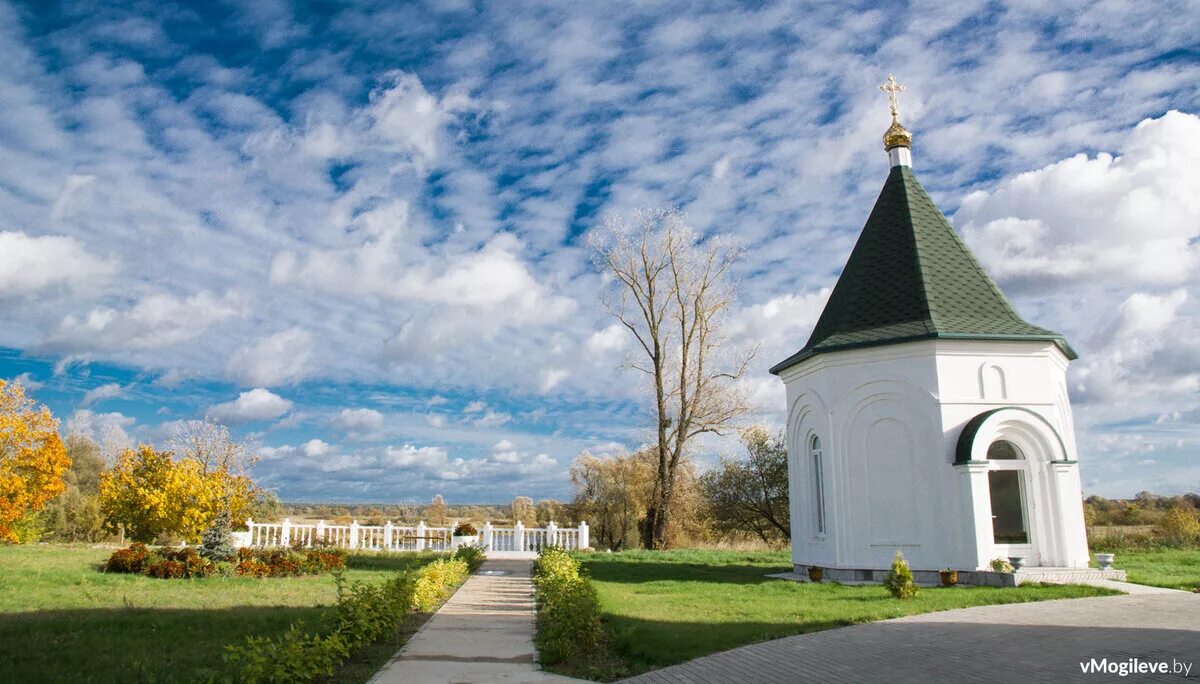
[896, 135]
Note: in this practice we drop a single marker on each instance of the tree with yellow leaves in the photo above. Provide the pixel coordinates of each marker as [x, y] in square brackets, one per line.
[157, 496]
[32, 458]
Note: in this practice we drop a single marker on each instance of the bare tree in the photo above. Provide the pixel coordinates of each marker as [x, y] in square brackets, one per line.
[672, 292]
[437, 510]
[523, 511]
[212, 444]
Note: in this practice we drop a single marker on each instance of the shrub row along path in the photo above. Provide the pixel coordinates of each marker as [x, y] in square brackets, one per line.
[1020, 642]
[484, 633]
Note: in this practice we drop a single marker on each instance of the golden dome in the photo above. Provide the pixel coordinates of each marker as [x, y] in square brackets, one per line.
[896, 136]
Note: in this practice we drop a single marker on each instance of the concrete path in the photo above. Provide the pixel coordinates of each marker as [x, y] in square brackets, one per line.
[484, 633]
[1022, 642]
[1127, 587]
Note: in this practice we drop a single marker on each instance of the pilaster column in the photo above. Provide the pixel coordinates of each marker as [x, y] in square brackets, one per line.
[977, 504]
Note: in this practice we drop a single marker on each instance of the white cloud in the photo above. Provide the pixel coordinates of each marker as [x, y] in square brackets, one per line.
[609, 339]
[492, 419]
[252, 405]
[31, 264]
[275, 360]
[408, 117]
[27, 381]
[359, 420]
[110, 390]
[315, 448]
[156, 321]
[171, 378]
[270, 453]
[551, 377]
[436, 420]
[475, 407]
[1134, 218]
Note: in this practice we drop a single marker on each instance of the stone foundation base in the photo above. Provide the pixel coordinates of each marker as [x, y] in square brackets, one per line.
[970, 578]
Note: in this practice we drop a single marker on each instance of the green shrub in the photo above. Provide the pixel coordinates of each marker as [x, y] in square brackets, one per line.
[473, 556]
[1179, 526]
[568, 620]
[554, 562]
[899, 580]
[295, 657]
[436, 581]
[364, 613]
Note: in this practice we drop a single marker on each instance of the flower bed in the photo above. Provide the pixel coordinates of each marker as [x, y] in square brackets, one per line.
[183, 563]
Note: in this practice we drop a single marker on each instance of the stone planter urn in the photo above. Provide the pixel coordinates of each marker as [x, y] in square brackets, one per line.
[1018, 562]
[949, 577]
[815, 574]
[464, 535]
[463, 540]
[1105, 560]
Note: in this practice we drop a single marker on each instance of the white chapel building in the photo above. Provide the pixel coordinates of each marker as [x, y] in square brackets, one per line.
[924, 414]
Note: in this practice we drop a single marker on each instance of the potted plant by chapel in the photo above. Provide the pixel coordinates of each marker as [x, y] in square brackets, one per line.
[949, 577]
[465, 534]
[815, 573]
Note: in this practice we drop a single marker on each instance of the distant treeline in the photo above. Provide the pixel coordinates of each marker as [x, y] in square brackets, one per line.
[1144, 509]
[437, 512]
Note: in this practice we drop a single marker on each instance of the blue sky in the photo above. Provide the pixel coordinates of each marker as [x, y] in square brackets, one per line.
[354, 231]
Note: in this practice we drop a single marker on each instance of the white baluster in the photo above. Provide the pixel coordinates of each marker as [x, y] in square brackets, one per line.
[519, 536]
[551, 537]
[487, 535]
[421, 535]
[584, 541]
[354, 534]
[285, 535]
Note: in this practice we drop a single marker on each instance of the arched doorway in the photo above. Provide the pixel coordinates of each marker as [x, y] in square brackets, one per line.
[1010, 496]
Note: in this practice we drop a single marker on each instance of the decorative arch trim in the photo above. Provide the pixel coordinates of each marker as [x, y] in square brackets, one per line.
[966, 439]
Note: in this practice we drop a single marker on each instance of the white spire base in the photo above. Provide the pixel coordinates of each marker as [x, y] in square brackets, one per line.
[900, 156]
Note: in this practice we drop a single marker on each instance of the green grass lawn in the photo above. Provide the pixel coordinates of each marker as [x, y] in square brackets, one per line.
[667, 607]
[62, 620]
[1171, 568]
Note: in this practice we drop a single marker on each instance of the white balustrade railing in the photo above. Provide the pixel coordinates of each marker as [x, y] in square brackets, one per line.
[419, 537]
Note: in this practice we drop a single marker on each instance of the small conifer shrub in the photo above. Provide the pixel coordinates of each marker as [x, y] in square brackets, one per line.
[217, 543]
[899, 580]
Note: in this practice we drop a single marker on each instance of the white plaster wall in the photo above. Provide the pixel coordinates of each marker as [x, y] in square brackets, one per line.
[889, 419]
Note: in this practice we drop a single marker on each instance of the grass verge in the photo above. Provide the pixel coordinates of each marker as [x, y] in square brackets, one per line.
[663, 608]
[1170, 568]
[61, 620]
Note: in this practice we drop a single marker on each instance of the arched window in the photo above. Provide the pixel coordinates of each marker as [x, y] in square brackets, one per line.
[1006, 484]
[814, 448]
[1002, 450]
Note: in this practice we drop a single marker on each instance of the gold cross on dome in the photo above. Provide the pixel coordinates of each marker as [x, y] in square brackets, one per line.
[893, 91]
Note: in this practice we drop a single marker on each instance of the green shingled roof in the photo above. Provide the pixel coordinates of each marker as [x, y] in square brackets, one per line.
[911, 277]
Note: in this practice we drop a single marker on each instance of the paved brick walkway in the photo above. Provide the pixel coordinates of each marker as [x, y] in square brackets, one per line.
[1025, 642]
[484, 633]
